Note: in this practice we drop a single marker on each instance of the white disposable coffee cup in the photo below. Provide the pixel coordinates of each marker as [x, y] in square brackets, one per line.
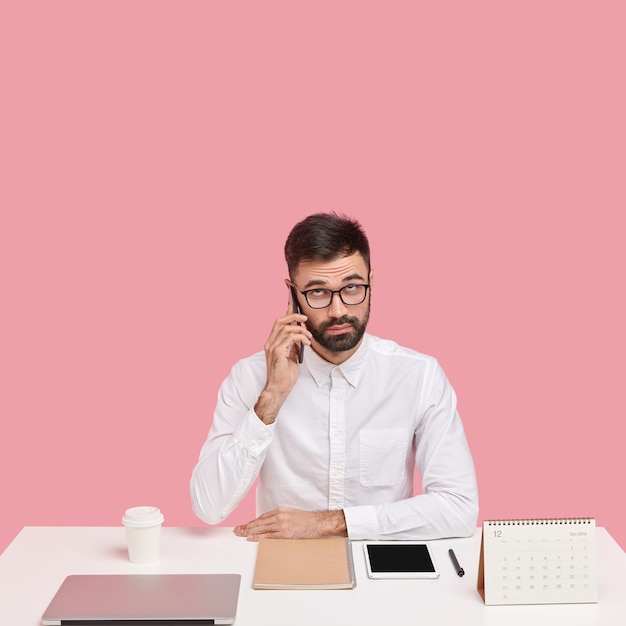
[143, 533]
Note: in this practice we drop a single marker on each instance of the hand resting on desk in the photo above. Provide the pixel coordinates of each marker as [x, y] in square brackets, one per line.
[287, 523]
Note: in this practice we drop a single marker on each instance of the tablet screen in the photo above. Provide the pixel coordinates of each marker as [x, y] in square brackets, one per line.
[399, 560]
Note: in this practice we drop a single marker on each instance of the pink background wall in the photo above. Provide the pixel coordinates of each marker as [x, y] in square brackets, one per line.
[155, 155]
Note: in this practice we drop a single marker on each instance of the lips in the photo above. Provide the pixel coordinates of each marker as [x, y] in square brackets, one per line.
[339, 330]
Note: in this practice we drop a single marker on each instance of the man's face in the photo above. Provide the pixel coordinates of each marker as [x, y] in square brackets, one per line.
[338, 328]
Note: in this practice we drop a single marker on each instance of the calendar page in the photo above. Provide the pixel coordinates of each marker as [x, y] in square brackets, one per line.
[538, 561]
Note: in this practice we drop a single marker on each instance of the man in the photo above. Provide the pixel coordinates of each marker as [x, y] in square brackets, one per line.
[335, 440]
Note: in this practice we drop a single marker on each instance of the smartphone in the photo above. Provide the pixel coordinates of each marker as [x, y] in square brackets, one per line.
[296, 309]
[399, 559]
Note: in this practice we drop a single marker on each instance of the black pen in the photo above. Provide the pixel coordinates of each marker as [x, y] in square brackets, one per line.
[459, 570]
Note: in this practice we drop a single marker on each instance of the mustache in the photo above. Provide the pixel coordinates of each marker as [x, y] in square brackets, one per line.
[340, 321]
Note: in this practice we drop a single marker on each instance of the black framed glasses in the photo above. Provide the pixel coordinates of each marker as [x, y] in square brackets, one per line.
[350, 295]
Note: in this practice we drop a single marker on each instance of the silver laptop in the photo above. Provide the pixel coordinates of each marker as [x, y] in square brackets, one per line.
[145, 599]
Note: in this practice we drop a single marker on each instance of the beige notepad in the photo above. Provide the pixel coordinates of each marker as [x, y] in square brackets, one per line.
[304, 564]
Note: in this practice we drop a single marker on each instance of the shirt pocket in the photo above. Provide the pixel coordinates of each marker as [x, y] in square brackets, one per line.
[382, 456]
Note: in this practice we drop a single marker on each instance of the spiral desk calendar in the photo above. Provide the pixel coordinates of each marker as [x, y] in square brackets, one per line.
[538, 561]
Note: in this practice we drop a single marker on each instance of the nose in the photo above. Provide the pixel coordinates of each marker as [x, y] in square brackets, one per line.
[336, 308]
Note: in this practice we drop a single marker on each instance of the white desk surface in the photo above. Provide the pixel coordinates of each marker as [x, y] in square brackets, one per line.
[35, 564]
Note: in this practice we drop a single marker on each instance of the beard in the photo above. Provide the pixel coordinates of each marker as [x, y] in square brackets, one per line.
[345, 341]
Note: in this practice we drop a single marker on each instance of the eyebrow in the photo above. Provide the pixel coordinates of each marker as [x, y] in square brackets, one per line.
[324, 283]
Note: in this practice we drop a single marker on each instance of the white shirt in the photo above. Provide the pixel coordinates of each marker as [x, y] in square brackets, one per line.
[347, 437]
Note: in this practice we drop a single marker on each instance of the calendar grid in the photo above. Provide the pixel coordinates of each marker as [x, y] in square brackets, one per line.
[538, 561]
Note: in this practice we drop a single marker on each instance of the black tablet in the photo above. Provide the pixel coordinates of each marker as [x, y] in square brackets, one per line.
[399, 559]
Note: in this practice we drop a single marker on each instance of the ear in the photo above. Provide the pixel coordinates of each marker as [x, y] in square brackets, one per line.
[371, 277]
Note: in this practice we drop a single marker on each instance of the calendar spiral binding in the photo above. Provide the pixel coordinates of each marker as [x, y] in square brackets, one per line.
[545, 521]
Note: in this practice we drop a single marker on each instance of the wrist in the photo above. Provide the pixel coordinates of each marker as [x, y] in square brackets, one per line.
[268, 405]
[333, 524]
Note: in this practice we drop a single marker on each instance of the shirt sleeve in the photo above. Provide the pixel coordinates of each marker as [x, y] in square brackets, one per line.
[233, 453]
[448, 504]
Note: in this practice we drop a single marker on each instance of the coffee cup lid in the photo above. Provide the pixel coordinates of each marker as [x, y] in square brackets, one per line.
[142, 516]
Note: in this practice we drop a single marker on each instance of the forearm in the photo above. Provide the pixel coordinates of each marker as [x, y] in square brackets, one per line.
[423, 517]
[448, 506]
[227, 468]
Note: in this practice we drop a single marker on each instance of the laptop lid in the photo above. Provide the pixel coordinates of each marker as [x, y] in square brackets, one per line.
[145, 599]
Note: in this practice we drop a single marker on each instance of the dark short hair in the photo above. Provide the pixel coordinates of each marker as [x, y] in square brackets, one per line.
[324, 237]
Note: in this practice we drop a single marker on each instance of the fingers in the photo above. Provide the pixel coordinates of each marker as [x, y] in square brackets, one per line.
[245, 531]
[286, 331]
[267, 525]
[285, 346]
[289, 319]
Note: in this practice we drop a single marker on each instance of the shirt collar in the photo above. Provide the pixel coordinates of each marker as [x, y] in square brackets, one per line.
[351, 369]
